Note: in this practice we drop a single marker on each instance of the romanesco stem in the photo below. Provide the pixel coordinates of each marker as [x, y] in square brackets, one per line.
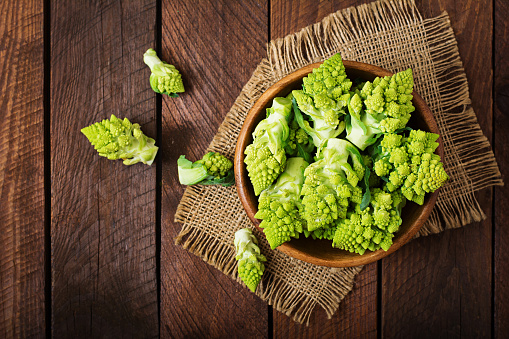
[151, 59]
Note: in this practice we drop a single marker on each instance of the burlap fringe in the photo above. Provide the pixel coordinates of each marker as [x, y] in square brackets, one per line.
[285, 298]
[337, 33]
[470, 161]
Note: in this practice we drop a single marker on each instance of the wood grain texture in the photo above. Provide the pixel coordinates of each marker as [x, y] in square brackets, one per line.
[501, 140]
[22, 308]
[216, 45]
[441, 285]
[287, 17]
[103, 213]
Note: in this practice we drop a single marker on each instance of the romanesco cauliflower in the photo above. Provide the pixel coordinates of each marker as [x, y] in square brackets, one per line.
[212, 169]
[409, 164]
[278, 205]
[265, 157]
[372, 228]
[165, 78]
[383, 106]
[331, 183]
[120, 139]
[329, 81]
[339, 198]
[250, 260]
[324, 99]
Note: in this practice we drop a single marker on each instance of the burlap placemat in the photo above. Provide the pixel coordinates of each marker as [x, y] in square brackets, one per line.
[389, 34]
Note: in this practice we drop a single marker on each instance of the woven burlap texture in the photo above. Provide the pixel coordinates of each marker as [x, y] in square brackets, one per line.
[389, 34]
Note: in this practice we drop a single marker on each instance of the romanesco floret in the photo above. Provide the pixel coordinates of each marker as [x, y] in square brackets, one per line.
[278, 205]
[120, 139]
[250, 260]
[387, 105]
[265, 157]
[165, 78]
[324, 99]
[331, 183]
[217, 164]
[325, 233]
[299, 143]
[410, 165]
[327, 81]
[372, 228]
[212, 169]
[326, 123]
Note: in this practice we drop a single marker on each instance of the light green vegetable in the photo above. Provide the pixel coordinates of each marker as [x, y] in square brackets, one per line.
[250, 260]
[409, 164]
[372, 228]
[165, 78]
[383, 106]
[331, 183]
[120, 139]
[324, 99]
[212, 169]
[299, 143]
[266, 157]
[278, 205]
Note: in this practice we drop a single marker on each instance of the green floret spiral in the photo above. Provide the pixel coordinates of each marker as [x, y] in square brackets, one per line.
[262, 166]
[120, 139]
[372, 228]
[410, 165]
[386, 107]
[265, 157]
[327, 81]
[324, 98]
[217, 164]
[331, 183]
[165, 78]
[169, 84]
[250, 260]
[278, 205]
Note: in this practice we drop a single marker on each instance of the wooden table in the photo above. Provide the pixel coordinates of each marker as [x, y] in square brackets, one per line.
[86, 244]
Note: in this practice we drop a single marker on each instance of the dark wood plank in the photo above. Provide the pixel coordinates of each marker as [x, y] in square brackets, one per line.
[22, 308]
[287, 17]
[441, 285]
[103, 213]
[501, 146]
[216, 45]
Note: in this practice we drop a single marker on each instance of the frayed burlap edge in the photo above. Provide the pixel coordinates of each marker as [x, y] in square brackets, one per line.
[468, 150]
[338, 32]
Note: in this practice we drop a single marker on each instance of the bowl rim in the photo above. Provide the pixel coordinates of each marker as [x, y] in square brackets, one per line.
[251, 208]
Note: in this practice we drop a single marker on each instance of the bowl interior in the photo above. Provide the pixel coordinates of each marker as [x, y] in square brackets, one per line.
[320, 252]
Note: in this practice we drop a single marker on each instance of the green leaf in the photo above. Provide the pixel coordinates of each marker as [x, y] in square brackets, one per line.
[301, 152]
[404, 129]
[366, 197]
[300, 120]
[226, 181]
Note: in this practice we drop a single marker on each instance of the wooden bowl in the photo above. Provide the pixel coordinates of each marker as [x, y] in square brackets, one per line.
[321, 252]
